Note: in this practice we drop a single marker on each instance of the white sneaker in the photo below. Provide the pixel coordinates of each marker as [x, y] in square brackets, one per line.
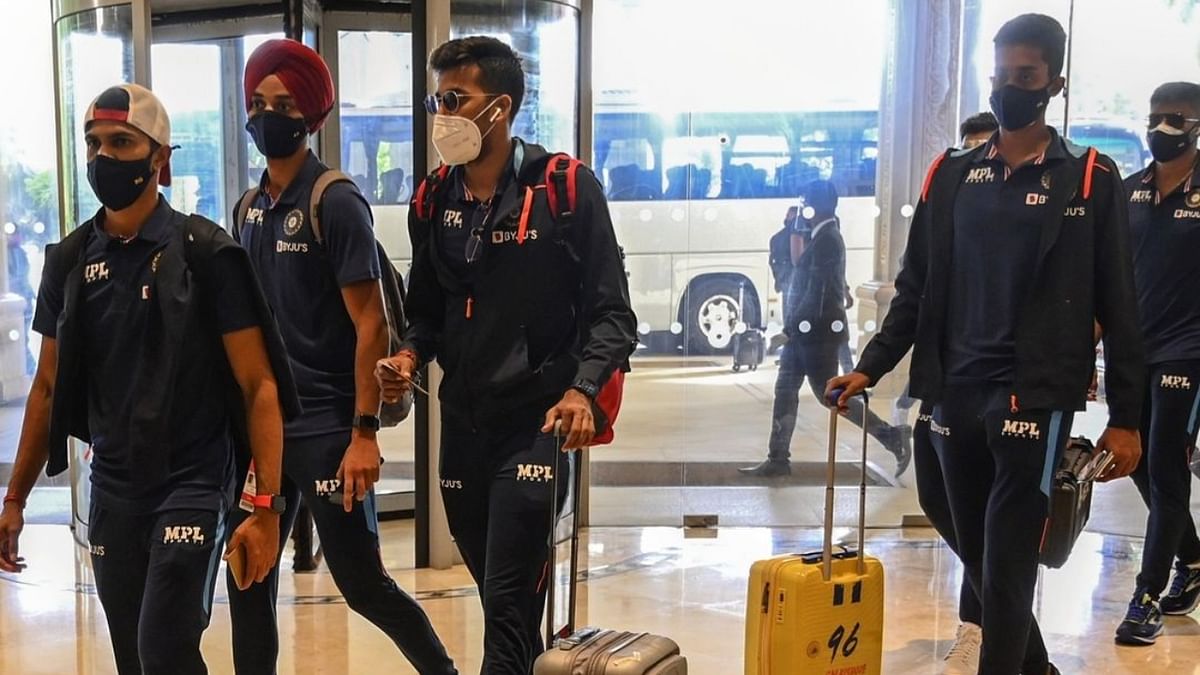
[963, 657]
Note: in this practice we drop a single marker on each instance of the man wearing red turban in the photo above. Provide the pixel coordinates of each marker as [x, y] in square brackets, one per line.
[323, 282]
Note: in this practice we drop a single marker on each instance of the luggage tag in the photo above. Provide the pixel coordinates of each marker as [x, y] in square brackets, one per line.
[249, 491]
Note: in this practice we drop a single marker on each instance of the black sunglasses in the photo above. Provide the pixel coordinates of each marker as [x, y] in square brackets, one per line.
[1176, 120]
[451, 100]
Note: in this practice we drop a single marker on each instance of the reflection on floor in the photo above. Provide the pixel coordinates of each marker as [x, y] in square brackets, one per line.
[652, 579]
[686, 425]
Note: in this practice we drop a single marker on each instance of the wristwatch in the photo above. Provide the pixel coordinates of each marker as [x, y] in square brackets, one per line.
[586, 388]
[367, 422]
[273, 503]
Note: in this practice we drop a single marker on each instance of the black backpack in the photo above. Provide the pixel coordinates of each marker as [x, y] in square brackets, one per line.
[780, 252]
[390, 414]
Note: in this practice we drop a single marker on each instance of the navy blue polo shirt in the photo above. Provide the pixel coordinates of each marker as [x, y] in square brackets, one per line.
[118, 303]
[998, 214]
[1166, 239]
[303, 281]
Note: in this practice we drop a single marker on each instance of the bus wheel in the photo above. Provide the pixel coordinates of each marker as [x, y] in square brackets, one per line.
[713, 313]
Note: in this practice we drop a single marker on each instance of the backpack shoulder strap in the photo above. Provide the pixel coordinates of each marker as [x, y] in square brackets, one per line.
[1089, 169]
[428, 191]
[242, 210]
[561, 182]
[199, 241]
[1091, 162]
[928, 184]
[68, 250]
[327, 178]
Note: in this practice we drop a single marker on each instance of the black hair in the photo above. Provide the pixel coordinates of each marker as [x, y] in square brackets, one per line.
[978, 124]
[1187, 93]
[500, 69]
[822, 196]
[1040, 31]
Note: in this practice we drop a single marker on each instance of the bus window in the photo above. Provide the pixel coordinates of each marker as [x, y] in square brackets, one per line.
[627, 172]
[693, 167]
[754, 166]
[1121, 140]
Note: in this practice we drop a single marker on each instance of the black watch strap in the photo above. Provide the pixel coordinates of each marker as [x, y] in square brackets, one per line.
[367, 422]
[586, 388]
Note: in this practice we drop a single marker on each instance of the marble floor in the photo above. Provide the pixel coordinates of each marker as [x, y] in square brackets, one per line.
[647, 579]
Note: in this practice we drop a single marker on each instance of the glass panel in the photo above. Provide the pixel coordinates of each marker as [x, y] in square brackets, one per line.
[1110, 89]
[187, 79]
[28, 181]
[256, 162]
[546, 35]
[30, 220]
[376, 113]
[701, 159]
[96, 52]
[377, 151]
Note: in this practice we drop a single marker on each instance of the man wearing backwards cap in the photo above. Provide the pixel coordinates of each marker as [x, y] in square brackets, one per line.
[158, 348]
[327, 296]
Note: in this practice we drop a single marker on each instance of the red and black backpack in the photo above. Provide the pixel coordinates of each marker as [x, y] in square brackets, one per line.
[560, 183]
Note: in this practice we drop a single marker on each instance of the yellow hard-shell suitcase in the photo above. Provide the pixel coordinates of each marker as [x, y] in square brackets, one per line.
[818, 613]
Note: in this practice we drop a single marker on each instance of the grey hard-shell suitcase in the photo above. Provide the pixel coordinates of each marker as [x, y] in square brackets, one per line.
[597, 651]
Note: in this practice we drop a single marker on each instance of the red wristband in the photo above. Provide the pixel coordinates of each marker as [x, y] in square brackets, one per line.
[15, 500]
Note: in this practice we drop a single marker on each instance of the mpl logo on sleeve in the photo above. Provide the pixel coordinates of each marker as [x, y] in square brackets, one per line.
[1021, 429]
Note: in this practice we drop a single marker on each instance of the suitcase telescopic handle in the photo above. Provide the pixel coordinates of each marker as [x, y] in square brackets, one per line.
[551, 561]
[830, 470]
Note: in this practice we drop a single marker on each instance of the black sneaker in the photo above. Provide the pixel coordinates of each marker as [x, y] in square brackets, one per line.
[1143, 622]
[1184, 596]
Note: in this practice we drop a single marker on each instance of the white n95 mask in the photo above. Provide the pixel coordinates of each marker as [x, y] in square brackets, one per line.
[457, 140]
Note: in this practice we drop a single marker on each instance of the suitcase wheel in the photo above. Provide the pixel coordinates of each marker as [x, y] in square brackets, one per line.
[737, 368]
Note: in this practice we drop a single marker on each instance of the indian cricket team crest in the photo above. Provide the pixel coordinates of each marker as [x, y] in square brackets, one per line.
[1193, 199]
[293, 222]
[1046, 181]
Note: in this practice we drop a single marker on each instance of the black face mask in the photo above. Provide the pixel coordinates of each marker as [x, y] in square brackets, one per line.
[1017, 108]
[117, 183]
[1166, 147]
[276, 135]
